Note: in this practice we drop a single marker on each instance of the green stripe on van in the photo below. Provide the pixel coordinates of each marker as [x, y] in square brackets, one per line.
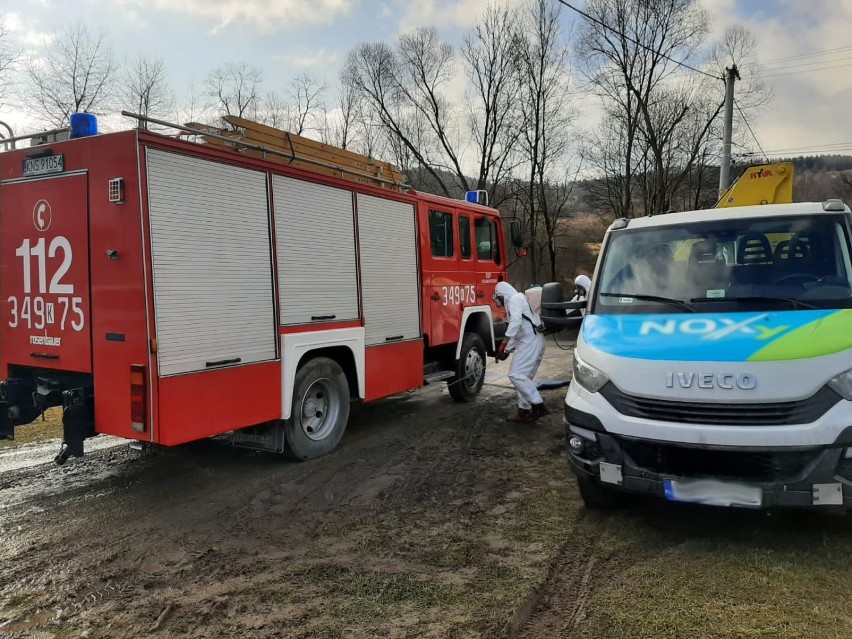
[825, 336]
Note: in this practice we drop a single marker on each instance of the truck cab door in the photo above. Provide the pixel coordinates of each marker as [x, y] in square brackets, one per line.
[489, 262]
[442, 288]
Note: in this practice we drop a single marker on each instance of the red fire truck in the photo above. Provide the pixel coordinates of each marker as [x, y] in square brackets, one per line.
[165, 291]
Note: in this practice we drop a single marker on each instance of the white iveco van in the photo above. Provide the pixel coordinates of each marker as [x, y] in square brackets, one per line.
[714, 362]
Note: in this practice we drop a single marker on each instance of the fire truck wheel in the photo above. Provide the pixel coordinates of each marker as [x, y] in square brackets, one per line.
[320, 409]
[470, 369]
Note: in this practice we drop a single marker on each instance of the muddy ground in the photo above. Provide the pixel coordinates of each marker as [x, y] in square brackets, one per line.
[432, 519]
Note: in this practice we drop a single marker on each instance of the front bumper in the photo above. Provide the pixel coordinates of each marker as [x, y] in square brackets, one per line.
[789, 476]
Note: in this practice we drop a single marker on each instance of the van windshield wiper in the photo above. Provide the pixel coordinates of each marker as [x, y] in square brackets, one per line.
[792, 301]
[652, 298]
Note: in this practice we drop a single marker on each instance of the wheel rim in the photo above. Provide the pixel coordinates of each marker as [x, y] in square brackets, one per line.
[320, 409]
[473, 368]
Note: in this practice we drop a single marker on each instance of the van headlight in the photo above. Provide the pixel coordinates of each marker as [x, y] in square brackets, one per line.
[587, 375]
[842, 384]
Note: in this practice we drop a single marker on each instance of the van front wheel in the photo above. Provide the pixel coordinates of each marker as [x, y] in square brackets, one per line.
[596, 496]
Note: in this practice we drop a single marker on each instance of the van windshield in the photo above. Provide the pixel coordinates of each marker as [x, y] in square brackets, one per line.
[728, 265]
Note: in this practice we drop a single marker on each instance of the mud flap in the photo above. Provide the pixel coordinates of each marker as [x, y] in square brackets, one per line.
[17, 406]
[7, 426]
[78, 424]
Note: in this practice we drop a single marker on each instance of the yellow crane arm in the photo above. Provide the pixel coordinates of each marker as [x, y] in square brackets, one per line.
[761, 184]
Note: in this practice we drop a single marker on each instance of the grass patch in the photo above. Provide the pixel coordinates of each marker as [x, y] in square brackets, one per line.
[37, 431]
[719, 575]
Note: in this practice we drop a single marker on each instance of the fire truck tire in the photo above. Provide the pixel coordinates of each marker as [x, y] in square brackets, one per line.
[320, 409]
[466, 384]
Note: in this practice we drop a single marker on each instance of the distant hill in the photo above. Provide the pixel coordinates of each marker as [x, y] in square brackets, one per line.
[820, 163]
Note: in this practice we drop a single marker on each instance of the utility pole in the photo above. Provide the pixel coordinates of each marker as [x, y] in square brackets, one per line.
[731, 75]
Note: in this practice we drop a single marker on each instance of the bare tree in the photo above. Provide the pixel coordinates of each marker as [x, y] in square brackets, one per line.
[274, 111]
[369, 133]
[306, 99]
[339, 129]
[234, 89]
[426, 67]
[9, 55]
[607, 150]
[629, 62]
[544, 104]
[490, 52]
[74, 74]
[192, 106]
[375, 71]
[145, 89]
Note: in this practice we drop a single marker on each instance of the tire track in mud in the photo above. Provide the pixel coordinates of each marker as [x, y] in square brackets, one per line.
[558, 606]
[119, 538]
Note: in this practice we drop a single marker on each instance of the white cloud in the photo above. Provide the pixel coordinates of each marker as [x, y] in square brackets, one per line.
[808, 109]
[320, 59]
[25, 31]
[444, 14]
[266, 14]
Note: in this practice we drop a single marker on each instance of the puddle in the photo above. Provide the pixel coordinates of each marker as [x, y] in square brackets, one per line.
[30, 455]
[29, 622]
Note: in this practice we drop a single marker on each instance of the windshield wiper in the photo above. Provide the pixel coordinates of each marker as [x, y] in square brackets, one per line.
[792, 301]
[652, 298]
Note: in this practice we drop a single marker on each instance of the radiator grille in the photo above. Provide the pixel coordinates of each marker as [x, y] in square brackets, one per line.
[685, 461]
[803, 411]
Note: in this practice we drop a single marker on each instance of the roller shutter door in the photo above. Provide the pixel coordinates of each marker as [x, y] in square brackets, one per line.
[212, 264]
[389, 270]
[315, 236]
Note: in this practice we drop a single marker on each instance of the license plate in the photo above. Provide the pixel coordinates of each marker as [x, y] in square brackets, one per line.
[47, 164]
[713, 492]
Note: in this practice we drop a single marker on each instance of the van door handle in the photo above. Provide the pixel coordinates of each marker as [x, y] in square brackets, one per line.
[480, 294]
[435, 297]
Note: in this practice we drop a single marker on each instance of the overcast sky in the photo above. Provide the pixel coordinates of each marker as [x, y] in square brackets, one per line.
[812, 95]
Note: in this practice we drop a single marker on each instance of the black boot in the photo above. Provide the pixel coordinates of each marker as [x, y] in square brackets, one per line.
[539, 410]
[523, 416]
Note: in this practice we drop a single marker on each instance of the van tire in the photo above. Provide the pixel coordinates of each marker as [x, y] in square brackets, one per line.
[596, 496]
[320, 409]
[463, 387]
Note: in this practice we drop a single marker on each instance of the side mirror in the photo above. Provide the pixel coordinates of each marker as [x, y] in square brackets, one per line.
[516, 233]
[554, 308]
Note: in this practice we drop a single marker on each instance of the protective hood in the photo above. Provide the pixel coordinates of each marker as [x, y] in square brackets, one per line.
[505, 290]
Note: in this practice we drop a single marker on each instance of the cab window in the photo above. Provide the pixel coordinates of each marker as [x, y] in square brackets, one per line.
[487, 243]
[441, 233]
[464, 237]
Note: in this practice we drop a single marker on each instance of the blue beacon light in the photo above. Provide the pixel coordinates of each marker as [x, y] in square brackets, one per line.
[83, 125]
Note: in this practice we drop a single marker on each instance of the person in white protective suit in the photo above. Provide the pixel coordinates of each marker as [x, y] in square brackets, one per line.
[527, 344]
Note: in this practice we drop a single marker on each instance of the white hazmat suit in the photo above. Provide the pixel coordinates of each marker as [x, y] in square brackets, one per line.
[528, 347]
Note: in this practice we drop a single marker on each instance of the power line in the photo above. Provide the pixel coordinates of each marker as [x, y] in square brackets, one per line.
[806, 150]
[815, 54]
[806, 64]
[824, 147]
[756, 141]
[848, 152]
[636, 42]
[828, 68]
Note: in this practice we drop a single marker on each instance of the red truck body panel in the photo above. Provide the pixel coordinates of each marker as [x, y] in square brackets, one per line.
[82, 266]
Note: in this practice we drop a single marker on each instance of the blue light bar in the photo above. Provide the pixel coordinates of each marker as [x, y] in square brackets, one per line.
[83, 125]
[476, 197]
